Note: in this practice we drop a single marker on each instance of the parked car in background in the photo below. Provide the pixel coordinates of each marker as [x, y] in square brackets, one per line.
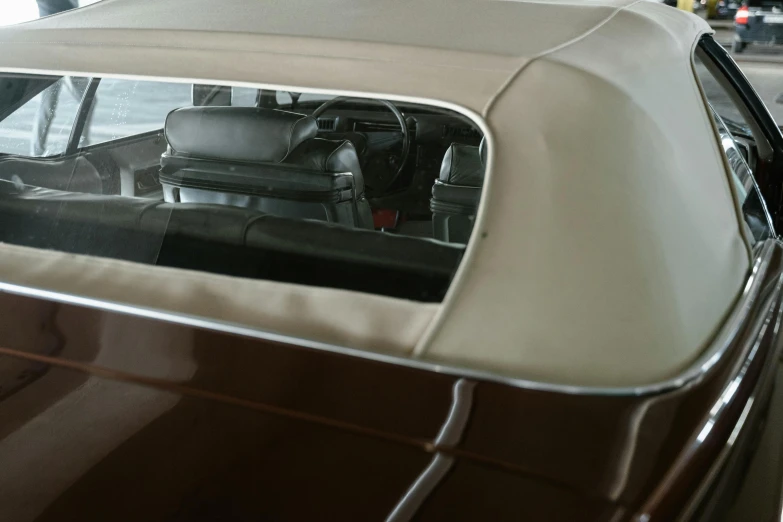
[722, 9]
[758, 22]
[394, 260]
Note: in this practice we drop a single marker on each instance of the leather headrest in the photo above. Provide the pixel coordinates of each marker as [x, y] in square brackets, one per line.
[462, 166]
[237, 133]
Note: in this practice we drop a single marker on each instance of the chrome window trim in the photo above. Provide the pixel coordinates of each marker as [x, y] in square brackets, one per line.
[748, 184]
[707, 360]
[769, 320]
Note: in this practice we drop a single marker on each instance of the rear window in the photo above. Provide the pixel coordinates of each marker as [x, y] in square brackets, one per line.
[361, 194]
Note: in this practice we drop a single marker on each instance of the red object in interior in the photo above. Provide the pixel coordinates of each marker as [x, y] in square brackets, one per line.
[385, 218]
[742, 15]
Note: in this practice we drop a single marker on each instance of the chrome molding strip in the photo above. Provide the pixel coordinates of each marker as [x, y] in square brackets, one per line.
[450, 435]
[422, 488]
[703, 364]
[733, 323]
[771, 319]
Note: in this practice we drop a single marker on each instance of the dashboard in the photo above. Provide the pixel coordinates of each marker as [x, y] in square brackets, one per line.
[376, 134]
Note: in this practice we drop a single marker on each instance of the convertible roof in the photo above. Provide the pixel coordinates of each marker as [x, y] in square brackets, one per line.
[508, 28]
[502, 28]
[607, 249]
[474, 47]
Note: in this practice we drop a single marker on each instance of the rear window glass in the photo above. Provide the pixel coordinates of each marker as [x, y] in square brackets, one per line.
[360, 194]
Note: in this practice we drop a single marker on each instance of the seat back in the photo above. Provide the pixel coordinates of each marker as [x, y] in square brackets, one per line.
[262, 159]
[456, 193]
[226, 240]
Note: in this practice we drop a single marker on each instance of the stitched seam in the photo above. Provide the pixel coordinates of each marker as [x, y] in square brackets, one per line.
[354, 193]
[355, 187]
[165, 127]
[145, 208]
[249, 223]
[451, 165]
[256, 51]
[340, 146]
[290, 136]
[549, 51]
[455, 165]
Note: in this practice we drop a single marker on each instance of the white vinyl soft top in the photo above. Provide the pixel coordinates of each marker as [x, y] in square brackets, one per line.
[464, 51]
[607, 249]
[502, 28]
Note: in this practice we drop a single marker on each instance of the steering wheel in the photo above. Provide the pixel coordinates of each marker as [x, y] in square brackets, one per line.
[375, 154]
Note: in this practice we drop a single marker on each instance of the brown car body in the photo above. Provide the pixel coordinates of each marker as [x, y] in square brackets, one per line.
[116, 412]
[184, 423]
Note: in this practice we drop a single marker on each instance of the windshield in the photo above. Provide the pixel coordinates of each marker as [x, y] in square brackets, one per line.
[285, 99]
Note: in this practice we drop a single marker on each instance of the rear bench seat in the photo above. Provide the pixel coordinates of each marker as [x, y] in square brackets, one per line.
[227, 240]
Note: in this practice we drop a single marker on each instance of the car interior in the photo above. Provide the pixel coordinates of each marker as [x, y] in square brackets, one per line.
[353, 193]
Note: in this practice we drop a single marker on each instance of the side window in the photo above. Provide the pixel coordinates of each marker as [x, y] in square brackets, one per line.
[42, 126]
[718, 96]
[747, 193]
[738, 144]
[127, 107]
[244, 97]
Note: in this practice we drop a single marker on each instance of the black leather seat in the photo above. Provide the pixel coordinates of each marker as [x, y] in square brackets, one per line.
[262, 159]
[226, 240]
[456, 193]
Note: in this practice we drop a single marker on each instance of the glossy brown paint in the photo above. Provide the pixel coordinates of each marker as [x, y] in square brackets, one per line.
[637, 450]
[309, 433]
[144, 419]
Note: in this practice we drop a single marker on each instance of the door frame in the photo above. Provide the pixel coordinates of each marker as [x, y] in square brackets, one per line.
[770, 177]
